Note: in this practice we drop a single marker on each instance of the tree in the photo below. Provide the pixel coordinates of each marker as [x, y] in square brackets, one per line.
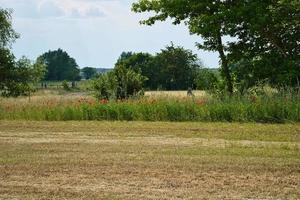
[89, 72]
[121, 83]
[204, 18]
[206, 80]
[16, 77]
[266, 49]
[60, 66]
[7, 33]
[176, 68]
[22, 76]
[266, 33]
[140, 63]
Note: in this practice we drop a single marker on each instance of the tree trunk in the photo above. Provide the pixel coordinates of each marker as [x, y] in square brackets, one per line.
[224, 61]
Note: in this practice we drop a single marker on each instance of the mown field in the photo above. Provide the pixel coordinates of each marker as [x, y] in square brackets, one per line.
[148, 160]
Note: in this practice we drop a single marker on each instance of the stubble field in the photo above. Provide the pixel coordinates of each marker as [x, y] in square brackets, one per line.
[148, 160]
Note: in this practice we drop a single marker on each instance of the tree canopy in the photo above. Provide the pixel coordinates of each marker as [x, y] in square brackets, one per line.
[60, 66]
[7, 33]
[89, 72]
[174, 68]
[16, 77]
[265, 33]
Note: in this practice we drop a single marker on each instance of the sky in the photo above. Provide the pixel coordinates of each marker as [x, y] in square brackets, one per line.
[94, 32]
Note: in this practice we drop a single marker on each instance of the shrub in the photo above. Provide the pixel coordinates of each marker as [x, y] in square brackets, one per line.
[121, 83]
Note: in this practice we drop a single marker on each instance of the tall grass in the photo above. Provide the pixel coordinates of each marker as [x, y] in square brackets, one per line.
[277, 108]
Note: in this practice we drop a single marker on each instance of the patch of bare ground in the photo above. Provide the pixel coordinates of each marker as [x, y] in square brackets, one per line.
[121, 160]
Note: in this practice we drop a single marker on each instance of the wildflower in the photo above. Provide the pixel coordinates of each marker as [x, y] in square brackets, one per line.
[253, 99]
[103, 101]
[201, 102]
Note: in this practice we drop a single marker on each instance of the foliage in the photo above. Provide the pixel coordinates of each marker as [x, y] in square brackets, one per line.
[265, 34]
[65, 85]
[89, 72]
[276, 107]
[206, 80]
[22, 75]
[121, 83]
[204, 18]
[267, 47]
[105, 86]
[60, 66]
[140, 63]
[174, 68]
[177, 68]
[7, 33]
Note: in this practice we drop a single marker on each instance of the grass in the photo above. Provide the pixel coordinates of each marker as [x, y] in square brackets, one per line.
[149, 160]
[160, 107]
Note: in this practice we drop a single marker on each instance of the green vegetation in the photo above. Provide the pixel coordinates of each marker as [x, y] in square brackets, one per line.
[255, 107]
[16, 77]
[174, 68]
[263, 34]
[60, 66]
[89, 72]
[121, 83]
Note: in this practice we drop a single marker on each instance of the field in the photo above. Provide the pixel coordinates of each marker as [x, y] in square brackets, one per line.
[149, 160]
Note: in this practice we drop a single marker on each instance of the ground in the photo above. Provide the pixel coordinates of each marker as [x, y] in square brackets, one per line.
[144, 160]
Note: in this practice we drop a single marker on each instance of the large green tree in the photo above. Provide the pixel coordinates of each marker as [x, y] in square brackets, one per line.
[7, 36]
[174, 68]
[266, 33]
[16, 77]
[204, 18]
[267, 46]
[60, 66]
[140, 63]
[7, 33]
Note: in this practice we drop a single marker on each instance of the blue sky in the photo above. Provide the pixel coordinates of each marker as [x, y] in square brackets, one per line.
[94, 32]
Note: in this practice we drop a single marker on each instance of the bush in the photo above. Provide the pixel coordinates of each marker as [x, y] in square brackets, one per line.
[121, 83]
[65, 86]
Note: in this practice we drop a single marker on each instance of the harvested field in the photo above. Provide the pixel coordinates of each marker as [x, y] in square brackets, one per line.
[143, 160]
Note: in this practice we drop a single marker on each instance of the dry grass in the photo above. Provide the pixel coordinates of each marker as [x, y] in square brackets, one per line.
[139, 160]
[173, 94]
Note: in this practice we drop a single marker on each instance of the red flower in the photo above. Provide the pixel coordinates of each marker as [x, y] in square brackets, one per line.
[103, 101]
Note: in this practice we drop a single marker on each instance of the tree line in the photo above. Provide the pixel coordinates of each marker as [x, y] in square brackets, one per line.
[265, 36]
[263, 47]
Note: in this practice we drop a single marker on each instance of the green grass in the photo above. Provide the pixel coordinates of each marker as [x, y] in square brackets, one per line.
[267, 110]
[149, 160]
[277, 108]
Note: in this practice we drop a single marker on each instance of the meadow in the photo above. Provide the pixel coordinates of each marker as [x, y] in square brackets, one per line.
[149, 160]
[52, 105]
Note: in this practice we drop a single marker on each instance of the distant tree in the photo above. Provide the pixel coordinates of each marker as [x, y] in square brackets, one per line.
[124, 55]
[24, 75]
[121, 83]
[89, 72]
[206, 79]
[140, 63]
[176, 68]
[60, 66]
